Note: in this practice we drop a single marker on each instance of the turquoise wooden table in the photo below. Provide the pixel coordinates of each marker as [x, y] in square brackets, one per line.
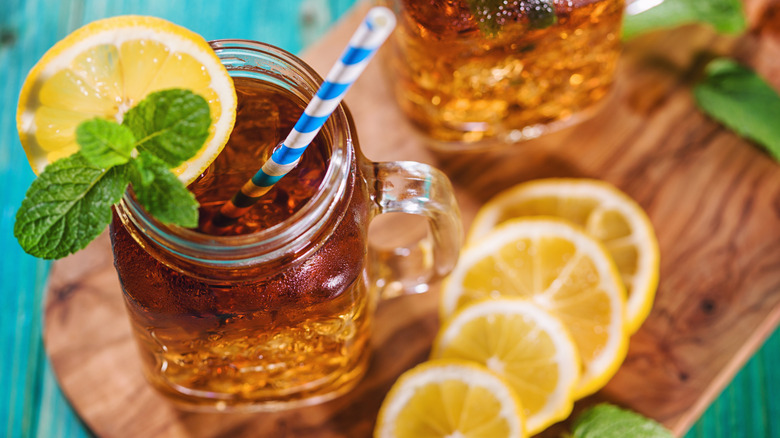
[31, 403]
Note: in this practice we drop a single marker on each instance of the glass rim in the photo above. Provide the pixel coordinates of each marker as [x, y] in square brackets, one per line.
[294, 232]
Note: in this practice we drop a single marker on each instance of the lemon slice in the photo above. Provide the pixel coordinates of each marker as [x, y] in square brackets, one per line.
[523, 343]
[108, 66]
[606, 213]
[564, 271]
[448, 399]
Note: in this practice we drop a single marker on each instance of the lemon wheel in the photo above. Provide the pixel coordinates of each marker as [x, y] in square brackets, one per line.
[529, 347]
[605, 213]
[105, 68]
[560, 268]
[449, 398]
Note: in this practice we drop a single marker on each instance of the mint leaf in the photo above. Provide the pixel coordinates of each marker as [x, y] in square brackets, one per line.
[726, 16]
[105, 143]
[171, 124]
[541, 13]
[608, 421]
[737, 97]
[67, 206]
[161, 193]
[491, 15]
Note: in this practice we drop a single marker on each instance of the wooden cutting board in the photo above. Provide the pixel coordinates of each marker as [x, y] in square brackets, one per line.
[713, 198]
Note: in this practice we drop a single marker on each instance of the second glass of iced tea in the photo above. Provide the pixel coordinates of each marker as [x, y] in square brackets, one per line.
[276, 310]
[475, 73]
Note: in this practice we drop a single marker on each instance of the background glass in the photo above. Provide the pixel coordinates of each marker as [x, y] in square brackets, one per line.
[468, 72]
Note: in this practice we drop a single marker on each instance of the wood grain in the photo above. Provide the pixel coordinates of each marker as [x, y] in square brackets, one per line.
[713, 197]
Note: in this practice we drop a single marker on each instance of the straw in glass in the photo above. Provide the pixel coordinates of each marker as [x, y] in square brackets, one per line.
[371, 33]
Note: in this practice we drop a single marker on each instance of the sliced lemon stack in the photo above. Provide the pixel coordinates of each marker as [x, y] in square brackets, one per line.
[108, 66]
[526, 345]
[561, 269]
[449, 399]
[605, 213]
[539, 295]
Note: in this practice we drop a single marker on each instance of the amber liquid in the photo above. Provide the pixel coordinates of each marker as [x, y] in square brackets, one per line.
[295, 334]
[462, 80]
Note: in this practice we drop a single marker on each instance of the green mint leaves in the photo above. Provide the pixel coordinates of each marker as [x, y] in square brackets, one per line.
[105, 143]
[730, 93]
[608, 421]
[491, 14]
[741, 100]
[726, 16]
[69, 204]
[161, 192]
[541, 13]
[172, 126]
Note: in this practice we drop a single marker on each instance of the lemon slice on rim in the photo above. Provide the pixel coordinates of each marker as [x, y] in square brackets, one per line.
[449, 398]
[523, 343]
[108, 66]
[605, 212]
[564, 271]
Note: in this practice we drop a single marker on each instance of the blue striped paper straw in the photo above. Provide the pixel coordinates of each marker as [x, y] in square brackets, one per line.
[371, 33]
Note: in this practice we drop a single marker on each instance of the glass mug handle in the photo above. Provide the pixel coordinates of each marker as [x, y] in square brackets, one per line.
[418, 189]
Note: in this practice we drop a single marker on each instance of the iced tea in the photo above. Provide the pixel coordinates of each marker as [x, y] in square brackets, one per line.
[472, 70]
[290, 330]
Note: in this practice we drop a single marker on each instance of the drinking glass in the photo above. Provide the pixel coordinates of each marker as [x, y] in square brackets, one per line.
[477, 73]
[280, 317]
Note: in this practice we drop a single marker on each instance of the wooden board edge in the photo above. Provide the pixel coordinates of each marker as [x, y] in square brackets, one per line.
[727, 374]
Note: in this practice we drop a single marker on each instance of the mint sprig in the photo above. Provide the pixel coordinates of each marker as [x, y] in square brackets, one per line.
[69, 204]
[741, 100]
[172, 125]
[161, 192]
[728, 92]
[105, 143]
[609, 421]
[725, 16]
[492, 14]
